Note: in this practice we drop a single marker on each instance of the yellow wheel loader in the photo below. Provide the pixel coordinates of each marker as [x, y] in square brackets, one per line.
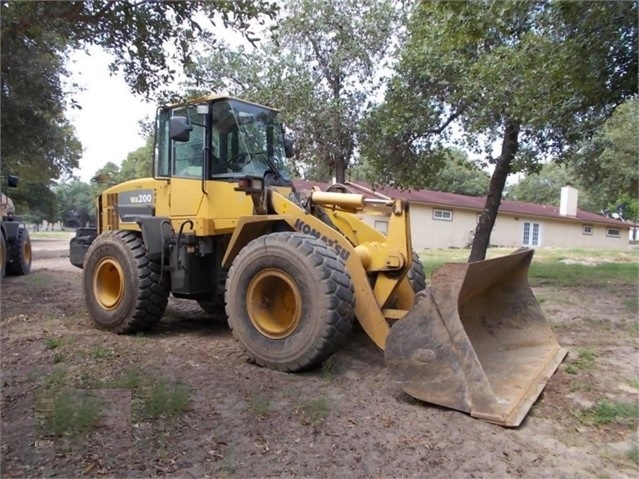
[221, 223]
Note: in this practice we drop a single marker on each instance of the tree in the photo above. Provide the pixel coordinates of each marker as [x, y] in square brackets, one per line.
[533, 77]
[544, 187]
[607, 163]
[38, 142]
[76, 201]
[35, 201]
[148, 39]
[460, 175]
[457, 174]
[138, 163]
[320, 66]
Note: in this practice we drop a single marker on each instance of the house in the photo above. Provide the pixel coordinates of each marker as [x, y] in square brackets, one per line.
[448, 220]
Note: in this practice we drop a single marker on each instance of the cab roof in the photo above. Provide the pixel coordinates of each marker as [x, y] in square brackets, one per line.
[213, 97]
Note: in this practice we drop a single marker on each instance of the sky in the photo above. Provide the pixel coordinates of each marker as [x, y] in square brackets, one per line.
[107, 125]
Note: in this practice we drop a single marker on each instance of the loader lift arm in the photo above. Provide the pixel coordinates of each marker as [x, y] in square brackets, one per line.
[362, 249]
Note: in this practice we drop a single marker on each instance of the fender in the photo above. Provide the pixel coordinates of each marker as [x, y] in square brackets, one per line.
[11, 229]
[250, 227]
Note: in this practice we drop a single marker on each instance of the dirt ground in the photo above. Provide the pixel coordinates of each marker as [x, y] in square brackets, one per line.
[346, 419]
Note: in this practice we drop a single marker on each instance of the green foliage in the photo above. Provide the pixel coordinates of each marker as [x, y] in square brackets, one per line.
[131, 379]
[137, 164]
[258, 404]
[544, 188]
[615, 268]
[38, 142]
[101, 352]
[607, 412]
[459, 175]
[585, 359]
[607, 163]
[559, 274]
[167, 399]
[35, 201]
[53, 343]
[318, 66]
[455, 173]
[476, 72]
[147, 40]
[70, 414]
[55, 379]
[317, 410]
[330, 369]
[76, 201]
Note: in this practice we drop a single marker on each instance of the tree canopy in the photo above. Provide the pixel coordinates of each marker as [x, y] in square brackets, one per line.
[320, 66]
[149, 40]
[606, 164]
[535, 78]
[544, 188]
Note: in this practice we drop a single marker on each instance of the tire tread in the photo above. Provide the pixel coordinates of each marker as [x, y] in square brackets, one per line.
[152, 295]
[335, 283]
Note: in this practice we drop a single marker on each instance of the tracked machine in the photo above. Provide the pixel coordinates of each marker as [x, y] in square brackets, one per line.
[221, 223]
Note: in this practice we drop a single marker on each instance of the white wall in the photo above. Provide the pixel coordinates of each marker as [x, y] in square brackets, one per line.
[429, 232]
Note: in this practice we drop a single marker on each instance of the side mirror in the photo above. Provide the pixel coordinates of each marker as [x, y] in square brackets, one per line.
[180, 128]
[289, 148]
[12, 181]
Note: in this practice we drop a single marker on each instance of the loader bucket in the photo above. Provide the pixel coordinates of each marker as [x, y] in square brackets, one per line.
[476, 341]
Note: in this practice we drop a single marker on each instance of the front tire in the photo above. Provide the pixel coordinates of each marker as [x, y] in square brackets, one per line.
[122, 287]
[416, 276]
[289, 301]
[19, 254]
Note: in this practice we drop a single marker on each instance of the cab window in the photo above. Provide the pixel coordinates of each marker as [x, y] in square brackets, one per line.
[187, 155]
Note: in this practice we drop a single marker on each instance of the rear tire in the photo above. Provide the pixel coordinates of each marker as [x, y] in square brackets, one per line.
[19, 254]
[122, 288]
[3, 255]
[289, 301]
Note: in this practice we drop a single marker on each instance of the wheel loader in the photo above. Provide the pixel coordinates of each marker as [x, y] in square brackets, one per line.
[221, 223]
[15, 243]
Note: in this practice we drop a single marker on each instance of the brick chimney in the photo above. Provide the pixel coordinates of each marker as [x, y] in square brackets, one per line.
[568, 205]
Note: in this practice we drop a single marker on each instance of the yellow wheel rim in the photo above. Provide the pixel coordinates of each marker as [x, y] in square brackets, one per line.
[108, 283]
[26, 252]
[274, 303]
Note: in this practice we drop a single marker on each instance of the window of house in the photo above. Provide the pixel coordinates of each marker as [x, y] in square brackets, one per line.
[445, 215]
[587, 229]
[381, 226]
[613, 232]
[532, 234]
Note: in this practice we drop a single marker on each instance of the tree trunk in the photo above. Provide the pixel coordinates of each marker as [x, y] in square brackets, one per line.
[340, 170]
[509, 147]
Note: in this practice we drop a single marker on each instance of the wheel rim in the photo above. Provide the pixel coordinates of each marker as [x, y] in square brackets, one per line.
[274, 303]
[108, 283]
[26, 252]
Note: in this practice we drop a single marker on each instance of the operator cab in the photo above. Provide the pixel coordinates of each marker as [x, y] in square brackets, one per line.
[220, 138]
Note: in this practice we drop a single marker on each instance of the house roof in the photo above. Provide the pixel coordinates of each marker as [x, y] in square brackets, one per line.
[475, 203]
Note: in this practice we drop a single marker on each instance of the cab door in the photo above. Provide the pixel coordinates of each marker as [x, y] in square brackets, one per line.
[187, 162]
